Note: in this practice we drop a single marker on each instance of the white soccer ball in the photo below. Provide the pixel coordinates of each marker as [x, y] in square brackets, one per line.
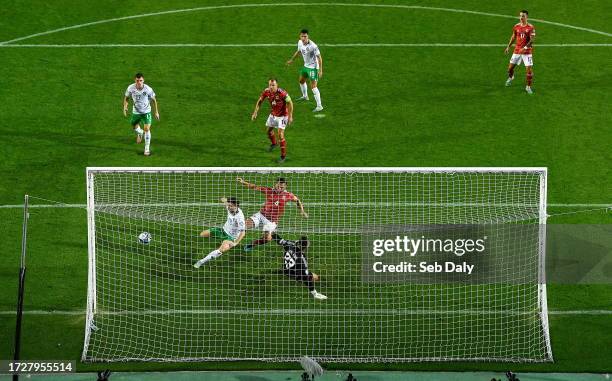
[144, 237]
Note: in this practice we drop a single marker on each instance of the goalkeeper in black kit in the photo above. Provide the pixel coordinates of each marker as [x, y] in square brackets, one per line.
[295, 263]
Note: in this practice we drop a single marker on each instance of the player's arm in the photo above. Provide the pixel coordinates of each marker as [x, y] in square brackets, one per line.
[156, 107]
[287, 245]
[510, 43]
[531, 40]
[300, 206]
[257, 106]
[242, 227]
[289, 104]
[239, 238]
[320, 60]
[246, 183]
[126, 100]
[293, 57]
[281, 241]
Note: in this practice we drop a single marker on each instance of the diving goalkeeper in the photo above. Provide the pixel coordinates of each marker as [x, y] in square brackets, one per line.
[296, 265]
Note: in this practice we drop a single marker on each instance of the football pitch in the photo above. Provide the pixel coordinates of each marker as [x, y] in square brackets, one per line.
[405, 85]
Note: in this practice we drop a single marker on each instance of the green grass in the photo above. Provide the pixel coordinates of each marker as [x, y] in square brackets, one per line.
[401, 107]
[57, 280]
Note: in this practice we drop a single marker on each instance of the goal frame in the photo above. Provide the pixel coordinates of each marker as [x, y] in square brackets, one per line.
[542, 217]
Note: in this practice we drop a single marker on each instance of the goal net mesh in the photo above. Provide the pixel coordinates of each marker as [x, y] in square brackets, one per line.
[147, 302]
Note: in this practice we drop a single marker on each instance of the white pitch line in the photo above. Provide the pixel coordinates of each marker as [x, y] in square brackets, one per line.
[354, 45]
[339, 204]
[391, 6]
[285, 311]
[44, 206]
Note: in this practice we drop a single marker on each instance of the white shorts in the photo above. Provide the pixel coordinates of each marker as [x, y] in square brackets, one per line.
[516, 59]
[260, 219]
[277, 121]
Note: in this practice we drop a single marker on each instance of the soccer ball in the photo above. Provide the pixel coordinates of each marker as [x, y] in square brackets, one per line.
[144, 237]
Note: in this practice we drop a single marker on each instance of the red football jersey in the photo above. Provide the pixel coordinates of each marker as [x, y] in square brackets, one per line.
[277, 101]
[523, 34]
[275, 202]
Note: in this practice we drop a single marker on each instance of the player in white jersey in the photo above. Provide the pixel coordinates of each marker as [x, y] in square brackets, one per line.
[312, 70]
[232, 232]
[142, 95]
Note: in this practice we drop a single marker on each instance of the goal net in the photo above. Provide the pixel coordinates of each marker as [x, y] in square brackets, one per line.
[147, 302]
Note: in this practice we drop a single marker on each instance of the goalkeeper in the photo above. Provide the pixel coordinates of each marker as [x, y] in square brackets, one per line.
[296, 265]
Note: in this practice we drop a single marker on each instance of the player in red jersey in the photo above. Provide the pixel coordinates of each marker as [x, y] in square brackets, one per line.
[524, 34]
[273, 209]
[280, 116]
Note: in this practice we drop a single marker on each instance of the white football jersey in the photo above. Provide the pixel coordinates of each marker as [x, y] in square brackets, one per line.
[235, 224]
[310, 51]
[141, 98]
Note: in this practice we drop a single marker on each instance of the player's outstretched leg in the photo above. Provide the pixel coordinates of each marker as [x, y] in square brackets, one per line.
[212, 255]
[147, 139]
[257, 242]
[267, 237]
[225, 246]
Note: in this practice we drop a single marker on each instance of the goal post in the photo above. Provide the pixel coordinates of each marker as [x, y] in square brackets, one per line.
[91, 268]
[397, 252]
[542, 299]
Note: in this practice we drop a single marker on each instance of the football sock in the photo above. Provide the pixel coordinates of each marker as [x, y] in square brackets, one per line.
[304, 89]
[310, 284]
[272, 137]
[213, 254]
[138, 130]
[283, 147]
[147, 136]
[510, 73]
[317, 96]
[529, 79]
